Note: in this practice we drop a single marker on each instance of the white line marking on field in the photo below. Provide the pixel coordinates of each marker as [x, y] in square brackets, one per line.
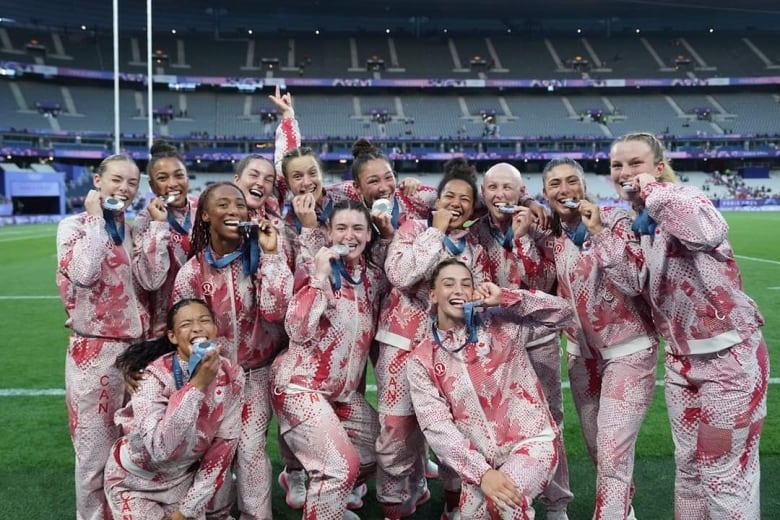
[23, 230]
[30, 392]
[43, 297]
[763, 260]
[774, 288]
[36, 392]
[27, 237]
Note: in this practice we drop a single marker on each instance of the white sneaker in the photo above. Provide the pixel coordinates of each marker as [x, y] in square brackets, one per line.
[294, 485]
[420, 495]
[349, 515]
[454, 514]
[631, 515]
[557, 515]
[355, 498]
[431, 469]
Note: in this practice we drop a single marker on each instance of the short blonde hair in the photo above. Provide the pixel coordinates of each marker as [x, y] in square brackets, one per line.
[103, 166]
[656, 147]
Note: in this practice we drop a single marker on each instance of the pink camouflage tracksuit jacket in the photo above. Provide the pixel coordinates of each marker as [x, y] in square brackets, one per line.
[608, 323]
[249, 310]
[330, 333]
[413, 254]
[159, 251]
[101, 296]
[516, 263]
[480, 404]
[687, 270]
[176, 442]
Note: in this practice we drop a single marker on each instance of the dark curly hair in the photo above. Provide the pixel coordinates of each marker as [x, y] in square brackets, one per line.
[139, 355]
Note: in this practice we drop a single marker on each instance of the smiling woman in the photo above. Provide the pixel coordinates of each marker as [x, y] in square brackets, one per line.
[94, 275]
[331, 321]
[162, 230]
[417, 248]
[612, 346]
[717, 359]
[247, 282]
[504, 453]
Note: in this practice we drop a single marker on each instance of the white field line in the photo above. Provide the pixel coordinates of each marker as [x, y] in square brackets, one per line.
[27, 237]
[31, 392]
[762, 260]
[13, 230]
[42, 297]
[35, 392]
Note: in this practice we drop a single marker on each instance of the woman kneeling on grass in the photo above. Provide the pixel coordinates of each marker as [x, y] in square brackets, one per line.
[181, 427]
[477, 399]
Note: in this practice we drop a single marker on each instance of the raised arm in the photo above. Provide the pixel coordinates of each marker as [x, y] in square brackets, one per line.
[275, 287]
[81, 248]
[151, 261]
[520, 305]
[685, 213]
[311, 297]
[433, 413]
[413, 254]
[165, 423]
[619, 252]
[288, 135]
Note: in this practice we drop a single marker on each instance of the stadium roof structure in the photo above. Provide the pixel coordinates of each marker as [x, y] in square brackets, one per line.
[345, 15]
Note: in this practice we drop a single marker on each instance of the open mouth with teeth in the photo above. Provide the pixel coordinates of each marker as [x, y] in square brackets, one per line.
[198, 339]
[256, 193]
[231, 223]
[458, 303]
[455, 214]
[171, 196]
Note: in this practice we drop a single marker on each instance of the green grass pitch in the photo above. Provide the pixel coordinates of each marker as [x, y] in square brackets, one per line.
[36, 459]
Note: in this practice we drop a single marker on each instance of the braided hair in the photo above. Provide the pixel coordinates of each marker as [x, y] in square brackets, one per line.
[200, 230]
